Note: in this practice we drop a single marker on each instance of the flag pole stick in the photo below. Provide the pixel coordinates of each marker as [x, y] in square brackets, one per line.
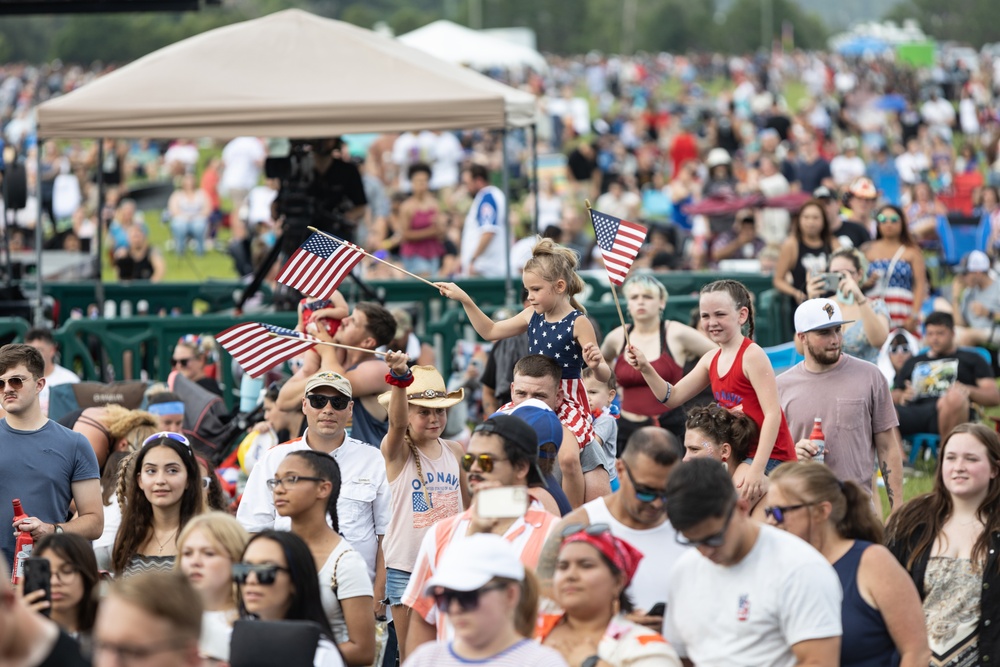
[389, 264]
[614, 292]
[341, 346]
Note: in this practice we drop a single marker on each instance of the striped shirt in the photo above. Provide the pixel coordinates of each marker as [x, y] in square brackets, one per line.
[525, 653]
[572, 415]
[527, 534]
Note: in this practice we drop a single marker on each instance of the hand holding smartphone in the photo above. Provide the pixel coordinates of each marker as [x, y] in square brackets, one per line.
[502, 502]
[38, 577]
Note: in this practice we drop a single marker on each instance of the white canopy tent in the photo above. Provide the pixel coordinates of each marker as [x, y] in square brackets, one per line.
[464, 46]
[289, 74]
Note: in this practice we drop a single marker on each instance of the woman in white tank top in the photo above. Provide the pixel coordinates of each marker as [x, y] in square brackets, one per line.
[424, 471]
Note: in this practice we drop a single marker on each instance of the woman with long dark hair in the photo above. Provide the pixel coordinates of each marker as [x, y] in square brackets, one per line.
[881, 617]
[306, 487]
[896, 271]
[948, 540]
[162, 491]
[277, 581]
[806, 252]
[74, 583]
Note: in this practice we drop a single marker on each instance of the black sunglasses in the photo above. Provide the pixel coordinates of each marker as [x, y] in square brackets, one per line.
[266, 574]
[319, 401]
[16, 383]
[716, 540]
[486, 461]
[181, 362]
[778, 512]
[896, 349]
[644, 494]
[467, 600]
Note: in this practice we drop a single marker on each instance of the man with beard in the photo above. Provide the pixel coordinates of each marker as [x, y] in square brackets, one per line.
[852, 398]
[503, 452]
[634, 513]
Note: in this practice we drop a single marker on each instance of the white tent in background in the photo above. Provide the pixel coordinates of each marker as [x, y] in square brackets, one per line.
[458, 44]
[290, 74]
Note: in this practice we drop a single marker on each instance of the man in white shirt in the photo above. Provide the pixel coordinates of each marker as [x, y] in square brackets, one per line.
[636, 514]
[484, 236]
[848, 165]
[746, 593]
[243, 159]
[43, 341]
[939, 115]
[364, 504]
[912, 164]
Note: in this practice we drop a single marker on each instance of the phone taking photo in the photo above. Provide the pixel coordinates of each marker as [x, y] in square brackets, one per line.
[831, 281]
[503, 502]
[38, 577]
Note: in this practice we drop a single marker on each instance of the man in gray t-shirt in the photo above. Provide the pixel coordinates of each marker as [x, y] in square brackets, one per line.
[43, 464]
[851, 396]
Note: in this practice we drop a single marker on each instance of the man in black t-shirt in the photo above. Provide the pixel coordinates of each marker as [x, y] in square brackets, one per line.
[934, 390]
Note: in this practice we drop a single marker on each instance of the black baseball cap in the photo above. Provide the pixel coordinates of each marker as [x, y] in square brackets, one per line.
[516, 431]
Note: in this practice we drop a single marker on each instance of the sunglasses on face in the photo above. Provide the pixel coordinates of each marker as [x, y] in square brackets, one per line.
[320, 401]
[467, 600]
[881, 218]
[485, 461]
[16, 383]
[183, 363]
[644, 494]
[716, 540]
[778, 512]
[266, 574]
[899, 349]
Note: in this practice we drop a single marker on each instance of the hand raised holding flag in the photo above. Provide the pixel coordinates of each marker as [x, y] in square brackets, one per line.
[619, 241]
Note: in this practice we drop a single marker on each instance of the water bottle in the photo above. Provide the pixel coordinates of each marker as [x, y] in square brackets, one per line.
[818, 441]
[126, 308]
[110, 308]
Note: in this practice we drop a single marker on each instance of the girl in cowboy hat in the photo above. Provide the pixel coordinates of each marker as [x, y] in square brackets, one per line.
[424, 471]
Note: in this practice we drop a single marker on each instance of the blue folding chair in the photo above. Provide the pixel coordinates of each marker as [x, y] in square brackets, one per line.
[783, 357]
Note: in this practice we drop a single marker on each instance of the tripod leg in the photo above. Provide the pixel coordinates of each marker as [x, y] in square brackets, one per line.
[259, 275]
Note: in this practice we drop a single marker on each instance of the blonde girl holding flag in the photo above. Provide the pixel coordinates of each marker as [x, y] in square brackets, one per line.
[553, 319]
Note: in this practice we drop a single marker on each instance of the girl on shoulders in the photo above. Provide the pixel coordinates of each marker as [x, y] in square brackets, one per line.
[741, 378]
[553, 318]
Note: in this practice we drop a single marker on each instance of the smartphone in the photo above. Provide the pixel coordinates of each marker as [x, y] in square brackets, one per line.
[38, 576]
[504, 502]
[831, 281]
[657, 609]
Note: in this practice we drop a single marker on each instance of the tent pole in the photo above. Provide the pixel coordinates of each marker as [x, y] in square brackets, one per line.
[99, 286]
[39, 317]
[505, 181]
[534, 172]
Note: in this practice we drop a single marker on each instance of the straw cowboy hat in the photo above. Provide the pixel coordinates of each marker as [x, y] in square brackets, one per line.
[428, 390]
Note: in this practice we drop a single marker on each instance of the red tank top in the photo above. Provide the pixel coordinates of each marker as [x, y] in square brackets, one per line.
[637, 397]
[735, 389]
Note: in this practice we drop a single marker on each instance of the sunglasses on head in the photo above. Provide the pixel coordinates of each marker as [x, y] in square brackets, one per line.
[266, 574]
[16, 383]
[716, 540]
[643, 493]
[168, 435]
[778, 512]
[467, 600]
[320, 401]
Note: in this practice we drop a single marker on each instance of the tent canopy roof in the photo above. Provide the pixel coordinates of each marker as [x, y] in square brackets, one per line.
[290, 74]
[464, 46]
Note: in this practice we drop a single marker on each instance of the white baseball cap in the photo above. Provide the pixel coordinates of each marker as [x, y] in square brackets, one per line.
[818, 314]
[471, 563]
[977, 262]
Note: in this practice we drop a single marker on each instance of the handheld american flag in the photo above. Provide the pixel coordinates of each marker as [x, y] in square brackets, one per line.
[319, 265]
[619, 241]
[257, 350]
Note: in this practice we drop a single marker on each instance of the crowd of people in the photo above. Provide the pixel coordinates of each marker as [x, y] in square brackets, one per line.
[653, 496]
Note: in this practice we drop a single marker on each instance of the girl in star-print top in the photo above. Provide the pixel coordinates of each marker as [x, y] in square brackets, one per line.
[552, 319]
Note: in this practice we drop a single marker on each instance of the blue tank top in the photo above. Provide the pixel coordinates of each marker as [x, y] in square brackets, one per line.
[555, 340]
[365, 427]
[866, 641]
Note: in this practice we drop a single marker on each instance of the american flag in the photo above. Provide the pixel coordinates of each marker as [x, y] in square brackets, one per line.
[443, 505]
[619, 241]
[320, 265]
[257, 350]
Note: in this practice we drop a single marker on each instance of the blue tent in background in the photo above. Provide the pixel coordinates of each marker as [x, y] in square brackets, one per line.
[861, 45]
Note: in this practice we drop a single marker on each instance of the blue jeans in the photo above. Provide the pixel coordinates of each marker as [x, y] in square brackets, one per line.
[769, 468]
[195, 229]
[395, 585]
